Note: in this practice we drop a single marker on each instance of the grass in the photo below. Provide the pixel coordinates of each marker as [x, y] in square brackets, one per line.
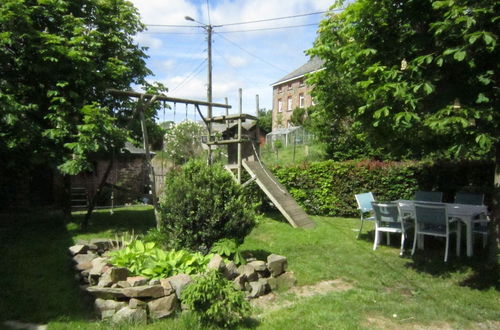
[287, 156]
[388, 291]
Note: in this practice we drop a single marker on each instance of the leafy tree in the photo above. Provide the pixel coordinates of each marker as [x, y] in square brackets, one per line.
[57, 58]
[266, 119]
[416, 78]
[183, 142]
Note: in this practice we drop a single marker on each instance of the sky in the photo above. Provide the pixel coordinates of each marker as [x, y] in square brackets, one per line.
[250, 56]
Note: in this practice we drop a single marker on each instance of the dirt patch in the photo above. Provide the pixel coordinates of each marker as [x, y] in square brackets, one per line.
[377, 322]
[272, 301]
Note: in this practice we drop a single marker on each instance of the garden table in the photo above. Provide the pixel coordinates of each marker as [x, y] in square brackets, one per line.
[464, 212]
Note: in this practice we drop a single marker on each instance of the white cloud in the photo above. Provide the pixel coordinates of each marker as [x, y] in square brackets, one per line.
[149, 41]
[236, 61]
[165, 11]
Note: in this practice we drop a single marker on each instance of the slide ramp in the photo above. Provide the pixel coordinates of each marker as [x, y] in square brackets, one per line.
[278, 194]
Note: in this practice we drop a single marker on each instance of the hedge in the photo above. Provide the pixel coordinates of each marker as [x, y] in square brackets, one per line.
[328, 188]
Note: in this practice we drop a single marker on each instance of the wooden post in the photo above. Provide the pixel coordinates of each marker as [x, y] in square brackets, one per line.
[239, 134]
[257, 127]
[141, 109]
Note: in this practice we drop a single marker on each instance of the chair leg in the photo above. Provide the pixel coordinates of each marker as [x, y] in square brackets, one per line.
[388, 238]
[402, 244]
[459, 239]
[376, 240]
[415, 238]
[485, 240]
[360, 228]
[446, 248]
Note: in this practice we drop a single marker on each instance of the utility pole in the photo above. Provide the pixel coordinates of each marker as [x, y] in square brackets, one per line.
[209, 29]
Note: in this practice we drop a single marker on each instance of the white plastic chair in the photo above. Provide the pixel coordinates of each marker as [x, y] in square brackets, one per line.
[432, 220]
[365, 208]
[388, 219]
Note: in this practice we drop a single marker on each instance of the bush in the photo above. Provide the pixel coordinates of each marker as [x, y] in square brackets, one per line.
[214, 300]
[328, 188]
[145, 259]
[202, 204]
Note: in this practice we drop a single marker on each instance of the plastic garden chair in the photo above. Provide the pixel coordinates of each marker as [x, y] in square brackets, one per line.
[432, 220]
[480, 225]
[388, 219]
[429, 196]
[365, 208]
[469, 198]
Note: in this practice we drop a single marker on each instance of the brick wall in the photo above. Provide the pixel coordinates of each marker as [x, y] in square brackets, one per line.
[292, 89]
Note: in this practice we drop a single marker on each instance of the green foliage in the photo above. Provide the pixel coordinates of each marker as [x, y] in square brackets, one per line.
[265, 120]
[183, 142]
[215, 301]
[328, 188]
[147, 260]
[202, 204]
[409, 80]
[229, 248]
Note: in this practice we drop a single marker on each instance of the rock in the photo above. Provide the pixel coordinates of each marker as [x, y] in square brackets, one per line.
[167, 287]
[136, 303]
[105, 293]
[87, 257]
[258, 265]
[179, 282]
[249, 272]
[286, 281]
[105, 280]
[101, 243]
[162, 307]
[145, 291]
[258, 288]
[276, 264]
[129, 315]
[239, 282]
[137, 280]
[103, 306]
[98, 266]
[123, 284]
[78, 249]
[231, 271]
[118, 274]
[217, 263]
[22, 325]
[154, 282]
[83, 266]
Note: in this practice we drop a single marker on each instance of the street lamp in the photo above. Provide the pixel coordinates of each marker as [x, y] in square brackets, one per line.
[209, 29]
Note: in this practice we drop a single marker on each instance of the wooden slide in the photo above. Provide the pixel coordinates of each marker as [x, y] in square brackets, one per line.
[278, 195]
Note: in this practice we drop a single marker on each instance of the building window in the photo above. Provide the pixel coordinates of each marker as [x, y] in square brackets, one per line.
[280, 89]
[302, 84]
[289, 86]
[280, 105]
[289, 104]
[301, 100]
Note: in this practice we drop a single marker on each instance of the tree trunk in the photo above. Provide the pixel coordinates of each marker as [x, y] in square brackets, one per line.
[495, 212]
[93, 201]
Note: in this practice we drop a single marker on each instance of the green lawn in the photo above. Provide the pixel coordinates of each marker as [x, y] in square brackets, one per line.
[380, 289]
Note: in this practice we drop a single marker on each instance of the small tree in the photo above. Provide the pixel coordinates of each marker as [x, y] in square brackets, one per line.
[183, 142]
[202, 204]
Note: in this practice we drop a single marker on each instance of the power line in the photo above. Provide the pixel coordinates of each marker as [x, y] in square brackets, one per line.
[251, 54]
[195, 72]
[271, 28]
[208, 12]
[276, 18]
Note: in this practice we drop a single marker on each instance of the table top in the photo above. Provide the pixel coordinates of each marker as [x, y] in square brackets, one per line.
[453, 209]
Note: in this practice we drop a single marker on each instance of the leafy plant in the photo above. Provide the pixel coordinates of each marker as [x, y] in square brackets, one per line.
[122, 240]
[214, 300]
[147, 260]
[229, 248]
[202, 204]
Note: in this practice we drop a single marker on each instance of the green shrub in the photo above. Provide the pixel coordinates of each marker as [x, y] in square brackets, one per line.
[145, 259]
[202, 204]
[328, 188]
[215, 301]
[229, 249]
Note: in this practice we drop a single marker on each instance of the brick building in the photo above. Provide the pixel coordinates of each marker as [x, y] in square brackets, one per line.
[291, 92]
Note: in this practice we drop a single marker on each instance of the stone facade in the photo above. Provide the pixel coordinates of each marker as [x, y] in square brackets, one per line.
[292, 92]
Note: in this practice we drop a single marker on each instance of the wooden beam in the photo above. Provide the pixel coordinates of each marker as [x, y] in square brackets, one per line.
[162, 97]
[231, 117]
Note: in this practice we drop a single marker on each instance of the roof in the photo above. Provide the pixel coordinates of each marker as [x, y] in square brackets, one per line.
[314, 64]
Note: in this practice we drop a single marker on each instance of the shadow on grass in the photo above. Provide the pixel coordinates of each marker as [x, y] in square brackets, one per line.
[36, 276]
[138, 218]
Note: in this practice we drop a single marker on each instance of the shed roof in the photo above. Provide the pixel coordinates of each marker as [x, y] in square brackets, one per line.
[314, 64]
